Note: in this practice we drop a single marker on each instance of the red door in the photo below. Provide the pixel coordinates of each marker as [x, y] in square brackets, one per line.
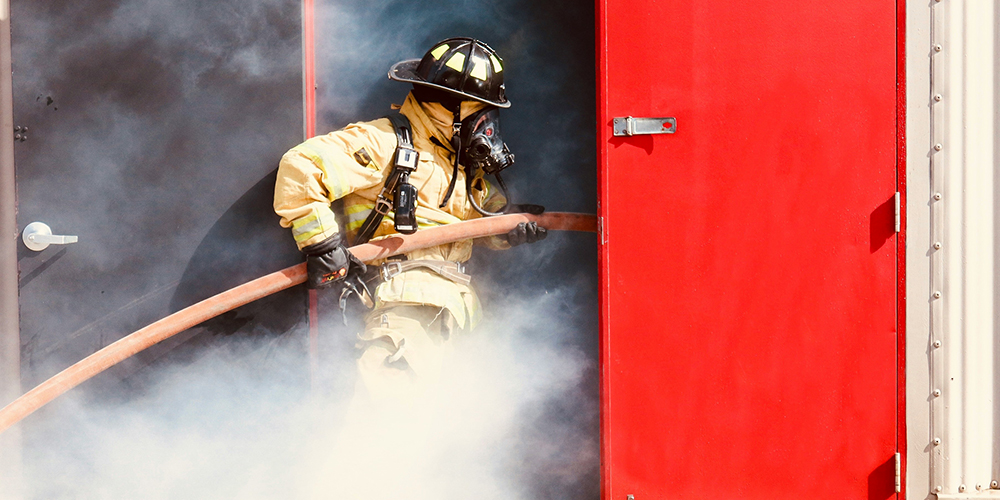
[748, 260]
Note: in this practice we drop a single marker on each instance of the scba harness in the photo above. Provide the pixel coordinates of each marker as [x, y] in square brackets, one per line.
[404, 199]
[404, 206]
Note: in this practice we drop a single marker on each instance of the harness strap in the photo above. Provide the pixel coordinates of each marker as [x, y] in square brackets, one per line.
[404, 141]
[453, 271]
[456, 144]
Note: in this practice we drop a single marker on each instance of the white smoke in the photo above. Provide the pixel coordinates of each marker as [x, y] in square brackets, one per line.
[217, 428]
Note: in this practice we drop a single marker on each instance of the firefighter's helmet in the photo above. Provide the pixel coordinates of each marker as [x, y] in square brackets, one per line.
[464, 67]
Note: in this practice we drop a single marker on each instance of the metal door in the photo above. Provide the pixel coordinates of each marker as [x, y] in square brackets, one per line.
[152, 135]
[748, 260]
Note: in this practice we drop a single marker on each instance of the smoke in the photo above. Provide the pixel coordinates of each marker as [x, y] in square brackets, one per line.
[511, 420]
[155, 131]
[147, 122]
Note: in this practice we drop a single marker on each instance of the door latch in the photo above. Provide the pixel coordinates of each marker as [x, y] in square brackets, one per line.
[629, 126]
[38, 236]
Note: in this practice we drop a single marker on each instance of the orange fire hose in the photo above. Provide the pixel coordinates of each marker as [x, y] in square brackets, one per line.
[261, 287]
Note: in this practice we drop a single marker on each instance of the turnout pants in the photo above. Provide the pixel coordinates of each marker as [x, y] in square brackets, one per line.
[401, 351]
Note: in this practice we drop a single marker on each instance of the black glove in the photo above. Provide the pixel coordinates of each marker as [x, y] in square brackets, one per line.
[329, 263]
[526, 232]
[524, 208]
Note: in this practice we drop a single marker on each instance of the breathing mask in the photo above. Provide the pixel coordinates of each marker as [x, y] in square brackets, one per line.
[482, 145]
[479, 144]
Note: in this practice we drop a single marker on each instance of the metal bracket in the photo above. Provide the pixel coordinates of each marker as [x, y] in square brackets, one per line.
[895, 201]
[629, 126]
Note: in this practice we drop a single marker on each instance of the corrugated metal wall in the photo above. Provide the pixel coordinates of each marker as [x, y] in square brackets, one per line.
[952, 348]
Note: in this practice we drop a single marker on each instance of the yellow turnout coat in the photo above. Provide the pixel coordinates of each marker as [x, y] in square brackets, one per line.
[351, 165]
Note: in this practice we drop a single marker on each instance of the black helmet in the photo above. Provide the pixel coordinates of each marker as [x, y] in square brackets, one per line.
[461, 66]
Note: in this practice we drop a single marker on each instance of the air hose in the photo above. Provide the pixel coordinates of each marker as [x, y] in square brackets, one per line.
[261, 287]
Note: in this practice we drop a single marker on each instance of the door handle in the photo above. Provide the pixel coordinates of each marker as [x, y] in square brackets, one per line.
[38, 236]
[628, 126]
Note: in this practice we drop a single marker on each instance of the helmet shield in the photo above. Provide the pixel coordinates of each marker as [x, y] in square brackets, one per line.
[464, 67]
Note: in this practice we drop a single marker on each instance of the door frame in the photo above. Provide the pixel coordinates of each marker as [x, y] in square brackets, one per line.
[901, 248]
[10, 332]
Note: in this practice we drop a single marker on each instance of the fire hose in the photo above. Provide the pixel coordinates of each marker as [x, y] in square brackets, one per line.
[211, 307]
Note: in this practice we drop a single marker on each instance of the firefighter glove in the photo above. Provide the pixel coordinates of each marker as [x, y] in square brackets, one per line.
[526, 232]
[330, 263]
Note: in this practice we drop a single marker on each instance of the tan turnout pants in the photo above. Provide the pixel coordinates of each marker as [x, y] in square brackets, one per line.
[402, 351]
[384, 448]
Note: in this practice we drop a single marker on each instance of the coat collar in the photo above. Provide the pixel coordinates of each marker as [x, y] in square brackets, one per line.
[431, 119]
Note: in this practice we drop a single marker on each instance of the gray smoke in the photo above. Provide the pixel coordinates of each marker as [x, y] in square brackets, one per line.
[155, 128]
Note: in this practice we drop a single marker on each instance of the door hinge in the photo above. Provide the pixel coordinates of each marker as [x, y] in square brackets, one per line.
[899, 468]
[896, 203]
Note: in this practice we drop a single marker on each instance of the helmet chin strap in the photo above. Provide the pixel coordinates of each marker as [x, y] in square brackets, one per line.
[456, 144]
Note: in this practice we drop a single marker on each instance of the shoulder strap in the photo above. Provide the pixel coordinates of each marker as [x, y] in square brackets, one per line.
[401, 125]
[404, 141]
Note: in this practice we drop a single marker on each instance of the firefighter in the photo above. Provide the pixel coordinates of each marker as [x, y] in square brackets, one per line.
[443, 150]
